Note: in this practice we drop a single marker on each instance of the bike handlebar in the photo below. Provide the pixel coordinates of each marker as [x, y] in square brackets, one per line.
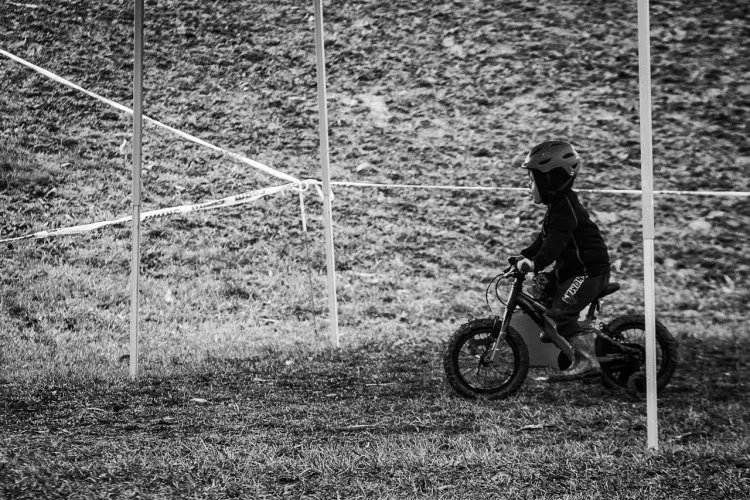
[510, 272]
[514, 260]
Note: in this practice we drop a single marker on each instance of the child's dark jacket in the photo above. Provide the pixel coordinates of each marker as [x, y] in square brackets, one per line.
[570, 239]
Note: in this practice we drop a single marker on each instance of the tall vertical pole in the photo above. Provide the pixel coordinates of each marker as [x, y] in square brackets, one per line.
[137, 160]
[326, 176]
[647, 201]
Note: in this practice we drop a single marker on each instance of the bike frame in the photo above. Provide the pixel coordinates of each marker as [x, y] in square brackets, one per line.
[538, 313]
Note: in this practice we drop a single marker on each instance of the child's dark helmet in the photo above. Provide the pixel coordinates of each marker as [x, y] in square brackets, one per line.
[550, 155]
[554, 166]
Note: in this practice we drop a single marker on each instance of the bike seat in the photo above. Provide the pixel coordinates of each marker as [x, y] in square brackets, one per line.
[609, 289]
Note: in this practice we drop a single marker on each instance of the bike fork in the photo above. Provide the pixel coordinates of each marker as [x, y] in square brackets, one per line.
[499, 331]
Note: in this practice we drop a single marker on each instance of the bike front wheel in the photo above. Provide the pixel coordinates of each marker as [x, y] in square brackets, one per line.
[472, 374]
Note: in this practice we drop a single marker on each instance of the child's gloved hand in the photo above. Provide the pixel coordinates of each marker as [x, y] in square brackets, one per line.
[525, 265]
[515, 259]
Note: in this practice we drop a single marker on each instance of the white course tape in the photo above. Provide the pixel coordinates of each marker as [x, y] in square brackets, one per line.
[182, 209]
[125, 109]
[668, 192]
[733, 194]
[427, 186]
[301, 190]
[302, 186]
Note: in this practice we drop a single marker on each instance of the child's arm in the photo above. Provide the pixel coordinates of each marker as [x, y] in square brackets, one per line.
[561, 226]
[531, 250]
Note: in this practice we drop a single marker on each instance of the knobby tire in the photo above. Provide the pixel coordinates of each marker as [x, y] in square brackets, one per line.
[469, 377]
[631, 330]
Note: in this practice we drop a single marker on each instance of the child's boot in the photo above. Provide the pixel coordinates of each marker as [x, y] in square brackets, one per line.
[585, 365]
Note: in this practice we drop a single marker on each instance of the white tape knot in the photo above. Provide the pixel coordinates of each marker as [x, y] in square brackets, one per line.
[301, 187]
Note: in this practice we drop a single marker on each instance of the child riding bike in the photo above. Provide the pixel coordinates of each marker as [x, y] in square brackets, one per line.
[574, 243]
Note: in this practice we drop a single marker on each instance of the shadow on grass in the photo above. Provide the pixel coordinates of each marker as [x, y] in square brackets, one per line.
[372, 388]
[286, 410]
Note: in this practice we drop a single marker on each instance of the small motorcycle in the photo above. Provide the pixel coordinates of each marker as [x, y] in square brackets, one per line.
[490, 358]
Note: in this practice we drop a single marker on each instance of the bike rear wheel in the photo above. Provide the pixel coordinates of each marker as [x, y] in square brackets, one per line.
[472, 375]
[627, 370]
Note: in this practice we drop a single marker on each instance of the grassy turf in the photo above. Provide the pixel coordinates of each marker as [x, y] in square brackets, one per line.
[238, 394]
[373, 421]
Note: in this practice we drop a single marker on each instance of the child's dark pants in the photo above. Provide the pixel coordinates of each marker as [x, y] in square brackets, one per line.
[571, 297]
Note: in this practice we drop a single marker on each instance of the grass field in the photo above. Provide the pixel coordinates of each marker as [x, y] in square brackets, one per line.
[240, 395]
[373, 421]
